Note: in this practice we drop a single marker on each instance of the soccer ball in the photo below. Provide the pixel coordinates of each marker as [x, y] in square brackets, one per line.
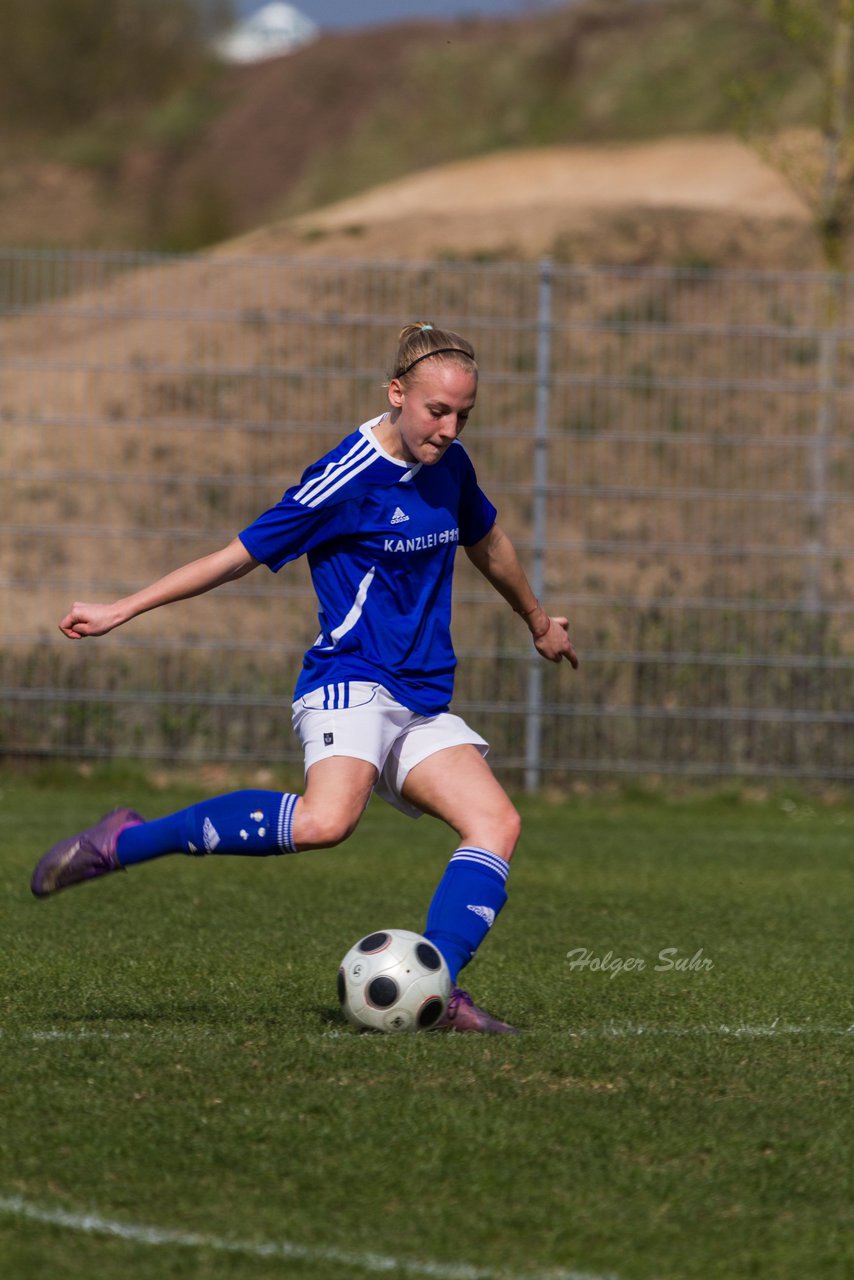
[394, 980]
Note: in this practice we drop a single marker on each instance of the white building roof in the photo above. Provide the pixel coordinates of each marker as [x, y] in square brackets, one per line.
[269, 32]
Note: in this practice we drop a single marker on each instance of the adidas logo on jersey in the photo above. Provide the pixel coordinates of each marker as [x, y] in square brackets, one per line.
[399, 517]
[485, 913]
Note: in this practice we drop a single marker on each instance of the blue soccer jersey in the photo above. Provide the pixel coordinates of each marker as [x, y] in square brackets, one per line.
[380, 535]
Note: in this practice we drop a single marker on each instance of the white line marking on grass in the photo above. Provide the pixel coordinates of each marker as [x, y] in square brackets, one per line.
[81, 1035]
[772, 1029]
[609, 1030]
[137, 1233]
[53, 1034]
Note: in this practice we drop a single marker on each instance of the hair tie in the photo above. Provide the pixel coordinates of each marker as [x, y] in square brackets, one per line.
[426, 326]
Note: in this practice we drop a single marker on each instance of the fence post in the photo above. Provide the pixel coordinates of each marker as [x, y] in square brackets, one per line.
[825, 426]
[534, 699]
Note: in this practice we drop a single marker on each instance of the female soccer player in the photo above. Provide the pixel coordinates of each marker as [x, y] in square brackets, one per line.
[379, 517]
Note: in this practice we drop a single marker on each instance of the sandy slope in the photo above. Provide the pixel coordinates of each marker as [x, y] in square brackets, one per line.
[675, 173]
[700, 199]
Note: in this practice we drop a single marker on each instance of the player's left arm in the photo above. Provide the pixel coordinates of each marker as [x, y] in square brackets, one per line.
[496, 558]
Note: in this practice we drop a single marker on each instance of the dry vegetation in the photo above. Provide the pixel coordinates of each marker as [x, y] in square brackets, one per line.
[149, 418]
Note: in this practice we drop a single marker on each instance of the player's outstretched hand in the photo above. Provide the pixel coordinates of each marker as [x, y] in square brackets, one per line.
[88, 620]
[555, 643]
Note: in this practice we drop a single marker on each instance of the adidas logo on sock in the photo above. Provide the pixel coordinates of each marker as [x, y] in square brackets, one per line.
[485, 913]
[210, 835]
[399, 517]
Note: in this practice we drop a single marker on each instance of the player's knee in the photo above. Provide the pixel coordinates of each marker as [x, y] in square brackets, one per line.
[512, 825]
[322, 828]
[497, 830]
[517, 824]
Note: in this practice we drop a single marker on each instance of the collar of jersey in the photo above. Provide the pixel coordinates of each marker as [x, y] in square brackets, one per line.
[367, 430]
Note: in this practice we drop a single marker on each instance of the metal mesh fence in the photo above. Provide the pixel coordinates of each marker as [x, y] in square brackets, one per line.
[670, 450]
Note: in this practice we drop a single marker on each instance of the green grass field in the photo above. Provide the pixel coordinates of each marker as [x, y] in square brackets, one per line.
[180, 1096]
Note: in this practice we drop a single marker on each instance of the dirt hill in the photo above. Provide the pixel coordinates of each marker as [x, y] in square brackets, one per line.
[362, 110]
[700, 201]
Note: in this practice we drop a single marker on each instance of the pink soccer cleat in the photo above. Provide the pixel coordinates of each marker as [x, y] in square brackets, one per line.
[462, 1014]
[83, 857]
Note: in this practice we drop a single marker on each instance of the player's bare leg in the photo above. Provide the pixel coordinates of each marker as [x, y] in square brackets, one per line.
[337, 791]
[458, 786]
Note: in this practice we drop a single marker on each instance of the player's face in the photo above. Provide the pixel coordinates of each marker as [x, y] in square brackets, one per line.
[430, 412]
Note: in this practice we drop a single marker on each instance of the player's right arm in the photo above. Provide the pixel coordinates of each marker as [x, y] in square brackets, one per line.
[193, 579]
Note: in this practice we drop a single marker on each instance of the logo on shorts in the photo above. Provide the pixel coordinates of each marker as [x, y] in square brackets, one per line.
[399, 516]
[328, 739]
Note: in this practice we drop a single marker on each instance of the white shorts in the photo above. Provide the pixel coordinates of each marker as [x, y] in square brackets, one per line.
[373, 726]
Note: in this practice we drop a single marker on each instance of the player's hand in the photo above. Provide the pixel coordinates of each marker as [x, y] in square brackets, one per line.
[89, 620]
[555, 643]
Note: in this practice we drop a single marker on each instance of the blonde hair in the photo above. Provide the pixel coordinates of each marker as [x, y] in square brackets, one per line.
[418, 341]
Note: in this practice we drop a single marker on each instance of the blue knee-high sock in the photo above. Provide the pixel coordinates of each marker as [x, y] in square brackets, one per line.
[468, 898]
[257, 823]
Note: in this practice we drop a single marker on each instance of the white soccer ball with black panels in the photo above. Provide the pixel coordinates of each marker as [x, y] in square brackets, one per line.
[394, 980]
